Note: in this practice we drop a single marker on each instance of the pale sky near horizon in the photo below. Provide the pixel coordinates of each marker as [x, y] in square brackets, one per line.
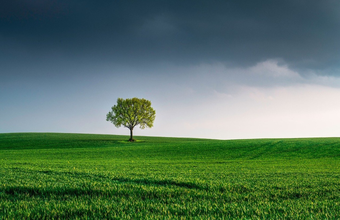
[212, 69]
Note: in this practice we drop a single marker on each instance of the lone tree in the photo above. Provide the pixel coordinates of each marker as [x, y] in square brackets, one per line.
[130, 113]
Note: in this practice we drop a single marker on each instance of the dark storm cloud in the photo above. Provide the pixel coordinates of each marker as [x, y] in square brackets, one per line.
[304, 33]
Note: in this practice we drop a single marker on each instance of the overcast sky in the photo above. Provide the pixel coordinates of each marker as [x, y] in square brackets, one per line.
[212, 69]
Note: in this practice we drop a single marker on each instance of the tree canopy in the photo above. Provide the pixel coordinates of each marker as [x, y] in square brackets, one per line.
[132, 112]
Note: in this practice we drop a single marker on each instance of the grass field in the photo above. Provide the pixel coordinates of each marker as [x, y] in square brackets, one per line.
[47, 175]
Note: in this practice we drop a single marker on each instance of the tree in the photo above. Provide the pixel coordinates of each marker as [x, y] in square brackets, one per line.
[132, 112]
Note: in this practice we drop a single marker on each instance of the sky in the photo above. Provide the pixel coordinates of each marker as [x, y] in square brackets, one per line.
[212, 69]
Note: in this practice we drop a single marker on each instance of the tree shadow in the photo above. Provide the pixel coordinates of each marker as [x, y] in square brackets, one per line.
[21, 192]
[24, 192]
[187, 185]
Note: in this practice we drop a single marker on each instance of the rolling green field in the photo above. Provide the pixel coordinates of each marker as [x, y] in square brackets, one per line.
[51, 176]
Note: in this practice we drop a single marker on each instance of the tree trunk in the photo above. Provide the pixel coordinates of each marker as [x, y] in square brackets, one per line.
[131, 135]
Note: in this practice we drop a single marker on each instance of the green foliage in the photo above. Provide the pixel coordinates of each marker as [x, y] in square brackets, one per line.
[132, 112]
[80, 176]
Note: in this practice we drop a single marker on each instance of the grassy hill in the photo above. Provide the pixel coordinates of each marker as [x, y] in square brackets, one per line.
[48, 175]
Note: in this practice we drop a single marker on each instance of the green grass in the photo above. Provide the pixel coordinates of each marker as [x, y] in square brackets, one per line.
[79, 176]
